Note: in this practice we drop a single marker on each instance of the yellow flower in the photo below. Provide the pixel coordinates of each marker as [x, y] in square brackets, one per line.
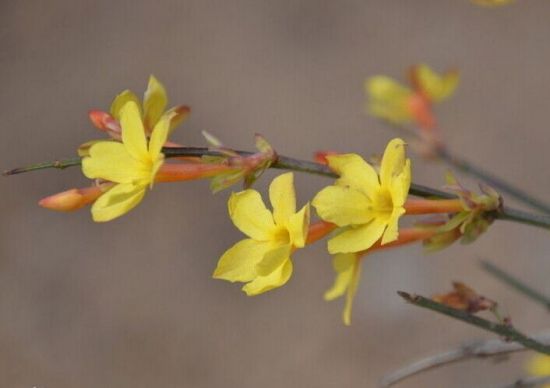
[263, 259]
[348, 272]
[132, 164]
[436, 87]
[364, 204]
[155, 100]
[389, 100]
[539, 365]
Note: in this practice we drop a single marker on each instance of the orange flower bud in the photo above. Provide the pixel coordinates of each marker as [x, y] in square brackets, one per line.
[321, 156]
[105, 122]
[73, 199]
[175, 172]
[421, 109]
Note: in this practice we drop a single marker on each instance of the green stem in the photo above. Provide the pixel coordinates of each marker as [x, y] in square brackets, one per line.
[503, 330]
[287, 163]
[494, 181]
[59, 164]
[516, 283]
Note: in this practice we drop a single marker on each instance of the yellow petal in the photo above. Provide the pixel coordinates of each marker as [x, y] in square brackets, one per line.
[158, 137]
[436, 87]
[539, 365]
[249, 214]
[84, 148]
[109, 160]
[354, 172]
[298, 226]
[120, 101]
[352, 290]
[392, 231]
[117, 201]
[393, 161]
[154, 102]
[133, 134]
[343, 266]
[283, 198]
[357, 239]
[238, 263]
[399, 187]
[388, 99]
[384, 88]
[276, 279]
[343, 206]
[273, 260]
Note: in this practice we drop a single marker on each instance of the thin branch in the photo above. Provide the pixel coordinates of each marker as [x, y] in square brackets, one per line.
[501, 329]
[471, 169]
[59, 164]
[515, 283]
[497, 183]
[287, 163]
[475, 350]
[528, 382]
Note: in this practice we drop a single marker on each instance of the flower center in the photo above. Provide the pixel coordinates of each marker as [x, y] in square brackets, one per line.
[281, 235]
[383, 202]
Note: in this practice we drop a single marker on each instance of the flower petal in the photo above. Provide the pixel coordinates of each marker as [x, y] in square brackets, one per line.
[343, 206]
[436, 87]
[392, 231]
[388, 99]
[238, 263]
[393, 161]
[276, 279]
[158, 137]
[121, 100]
[343, 266]
[249, 214]
[354, 172]
[298, 226]
[133, 134]
[539, 365]
[399, 187]
[357, 239]
[283, 198]
[154, 102]
[352, 290]
[117, 201]
[109, 160]
[273, 260]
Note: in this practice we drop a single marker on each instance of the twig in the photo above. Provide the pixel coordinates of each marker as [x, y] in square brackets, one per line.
[515, 283]
[469, 168]
[59, 164]
[501, 329]
[528, 382]
[479, 349]
[497, 183]
[287, 163]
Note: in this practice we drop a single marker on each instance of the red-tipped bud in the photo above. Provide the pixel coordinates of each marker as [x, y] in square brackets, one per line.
[104, 121]
[321, 156]
[178, 114]
[421, 109]
[71, 200]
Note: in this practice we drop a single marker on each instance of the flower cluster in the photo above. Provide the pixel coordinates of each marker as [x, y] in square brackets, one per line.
[359, 213]
[123, 167]
[389, 100]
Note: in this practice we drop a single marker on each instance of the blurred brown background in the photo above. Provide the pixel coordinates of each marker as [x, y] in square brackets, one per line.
[131, 303]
